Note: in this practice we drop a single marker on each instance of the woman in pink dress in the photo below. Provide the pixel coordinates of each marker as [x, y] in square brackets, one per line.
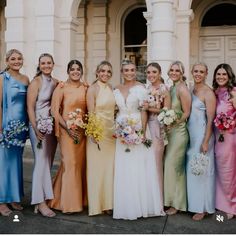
[224, 85]
[159, 97]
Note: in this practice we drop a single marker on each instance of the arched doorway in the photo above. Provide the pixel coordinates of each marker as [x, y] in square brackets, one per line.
[135, 40]
[217, 38]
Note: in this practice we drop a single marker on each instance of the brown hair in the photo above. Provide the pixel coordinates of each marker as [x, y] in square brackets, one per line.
[38, 71]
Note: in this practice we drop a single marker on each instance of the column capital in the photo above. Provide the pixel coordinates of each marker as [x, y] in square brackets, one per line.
[162, 1]
[69, 23]
[185, 16]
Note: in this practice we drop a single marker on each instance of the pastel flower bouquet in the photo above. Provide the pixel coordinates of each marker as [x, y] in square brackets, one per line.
[94, 127]
[129, 131]
[75, 121]
[224, 122]
[198, 164]
[166, 118]
[45, 126]
[10, 135]
[156, 96]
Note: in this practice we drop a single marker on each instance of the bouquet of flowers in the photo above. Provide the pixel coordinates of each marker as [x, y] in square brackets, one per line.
[75, 121]
[129, 131]
[224, 122]
[45, 126]
[156, 96]
[168, 116]
[199, 163]
[10, 135]
[94, 127]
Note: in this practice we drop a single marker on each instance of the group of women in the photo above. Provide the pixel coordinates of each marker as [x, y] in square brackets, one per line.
[144, 182]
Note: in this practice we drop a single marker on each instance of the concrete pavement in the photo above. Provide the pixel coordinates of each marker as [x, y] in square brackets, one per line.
[80, 223]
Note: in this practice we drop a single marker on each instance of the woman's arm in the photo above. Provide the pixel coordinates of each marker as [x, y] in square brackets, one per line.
[185, 99]
[91, 98]
[210, 102]
[1, 92]
[32, 94]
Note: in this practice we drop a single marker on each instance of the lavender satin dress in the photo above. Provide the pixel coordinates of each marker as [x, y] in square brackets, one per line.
[42, 183]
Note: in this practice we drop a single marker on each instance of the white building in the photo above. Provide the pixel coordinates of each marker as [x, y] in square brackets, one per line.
[144, 31]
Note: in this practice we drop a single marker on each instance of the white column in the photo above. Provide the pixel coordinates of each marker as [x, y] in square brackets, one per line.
[15, 20]
[183, 38]
[68, 29]
[148, 17]
[162, 48]
[100, 21]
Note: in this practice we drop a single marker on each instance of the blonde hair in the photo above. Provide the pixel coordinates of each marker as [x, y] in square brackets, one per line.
[9, 54]
[181, 68]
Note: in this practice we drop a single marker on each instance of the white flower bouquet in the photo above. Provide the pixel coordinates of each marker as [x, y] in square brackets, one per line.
[168, 116]
[199, 163]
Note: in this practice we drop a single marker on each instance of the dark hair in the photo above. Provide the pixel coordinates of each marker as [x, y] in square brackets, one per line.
[71, 63]
[157, 66]
[8, 55]
[181, 67]
[231, 82]
[38, 71]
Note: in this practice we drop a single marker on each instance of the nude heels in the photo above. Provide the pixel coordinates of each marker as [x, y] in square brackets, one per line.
[47, 212]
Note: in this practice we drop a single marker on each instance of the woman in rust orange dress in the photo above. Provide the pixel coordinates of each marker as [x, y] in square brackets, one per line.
[69, 185]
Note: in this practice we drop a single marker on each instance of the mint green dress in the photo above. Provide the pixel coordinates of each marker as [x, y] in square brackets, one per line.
[174, 161]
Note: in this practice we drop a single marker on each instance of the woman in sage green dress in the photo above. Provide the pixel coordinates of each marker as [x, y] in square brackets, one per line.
[174, 160]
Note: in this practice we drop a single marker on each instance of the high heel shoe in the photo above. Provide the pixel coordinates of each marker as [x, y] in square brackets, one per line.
[4, 210]
[199, 216]
[171, 211]
[47, 212]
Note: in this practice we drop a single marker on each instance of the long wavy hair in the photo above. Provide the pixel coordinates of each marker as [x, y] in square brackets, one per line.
[231, 82]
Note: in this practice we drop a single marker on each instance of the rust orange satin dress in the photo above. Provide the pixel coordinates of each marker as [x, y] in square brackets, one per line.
[69, 186]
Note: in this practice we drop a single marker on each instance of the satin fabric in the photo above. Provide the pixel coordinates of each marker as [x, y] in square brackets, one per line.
[69, 185]
[225, 153]
[43, 157]
[200, 188]
[11, 165]
[100, 164]
[174, 163]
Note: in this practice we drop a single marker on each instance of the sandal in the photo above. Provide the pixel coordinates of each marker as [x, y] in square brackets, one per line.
[4, 210]
[230, 216]
[16, 206]
[44, 210]
[198, 216]
[171, 211]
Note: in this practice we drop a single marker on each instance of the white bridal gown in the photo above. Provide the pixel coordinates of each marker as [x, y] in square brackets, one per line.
[136, 188]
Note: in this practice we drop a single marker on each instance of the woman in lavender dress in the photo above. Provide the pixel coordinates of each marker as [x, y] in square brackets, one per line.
[39, 105]
[224, 85]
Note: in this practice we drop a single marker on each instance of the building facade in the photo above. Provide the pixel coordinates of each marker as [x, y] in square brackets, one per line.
[143, 31]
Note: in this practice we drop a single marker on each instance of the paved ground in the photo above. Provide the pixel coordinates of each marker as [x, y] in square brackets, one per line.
[82, 224]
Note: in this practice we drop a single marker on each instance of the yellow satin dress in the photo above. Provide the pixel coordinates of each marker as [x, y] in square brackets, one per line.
[100, 164]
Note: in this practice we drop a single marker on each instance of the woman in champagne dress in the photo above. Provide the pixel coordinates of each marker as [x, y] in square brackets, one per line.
[69, 187]
[162, 98]
[174, 167]
[100, 163]
[13, 89]
[224, 85]
[39, 106]
[201, 188]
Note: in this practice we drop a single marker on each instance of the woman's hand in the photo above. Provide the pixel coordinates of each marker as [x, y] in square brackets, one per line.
[74, 134]
[39, 135]
[204, 147]
[145, 105]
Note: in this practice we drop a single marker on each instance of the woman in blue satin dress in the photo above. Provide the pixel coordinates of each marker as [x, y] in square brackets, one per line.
[13, 89]
[201, 188]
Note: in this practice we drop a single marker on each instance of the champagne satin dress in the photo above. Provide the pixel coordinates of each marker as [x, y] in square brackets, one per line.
[100, 164]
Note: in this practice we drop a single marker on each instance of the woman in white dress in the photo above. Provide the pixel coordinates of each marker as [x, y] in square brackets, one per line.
[136, 187]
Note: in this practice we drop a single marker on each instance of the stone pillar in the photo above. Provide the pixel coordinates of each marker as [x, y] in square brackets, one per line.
[15, 20]
[184, 18]
[100, 21]
[162, 47]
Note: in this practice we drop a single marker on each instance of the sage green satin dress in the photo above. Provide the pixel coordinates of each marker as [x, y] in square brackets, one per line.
[174, 161]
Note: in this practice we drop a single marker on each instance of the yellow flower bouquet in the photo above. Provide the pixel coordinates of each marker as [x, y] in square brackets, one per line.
[94, 127]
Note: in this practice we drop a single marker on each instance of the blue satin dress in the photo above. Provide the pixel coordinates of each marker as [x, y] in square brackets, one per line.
[200, 188]
[11, 165]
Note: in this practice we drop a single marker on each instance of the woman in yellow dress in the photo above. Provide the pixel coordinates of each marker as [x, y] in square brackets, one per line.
[100, 163]
[69, 186]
